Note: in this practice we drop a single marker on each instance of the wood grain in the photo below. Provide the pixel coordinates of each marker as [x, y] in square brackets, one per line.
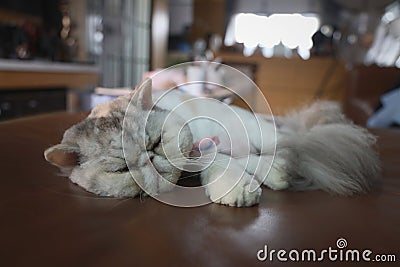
[288, 84]
[39, 80]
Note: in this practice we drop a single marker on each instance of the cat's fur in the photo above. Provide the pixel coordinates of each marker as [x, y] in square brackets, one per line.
[317, 148]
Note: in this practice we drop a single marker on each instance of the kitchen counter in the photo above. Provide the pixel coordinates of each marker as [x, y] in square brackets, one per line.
[17, 75]
[24, 74]
[45, 66]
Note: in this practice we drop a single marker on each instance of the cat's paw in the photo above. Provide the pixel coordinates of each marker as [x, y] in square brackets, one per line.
[242, 195]
[277, 177]
[226, 182]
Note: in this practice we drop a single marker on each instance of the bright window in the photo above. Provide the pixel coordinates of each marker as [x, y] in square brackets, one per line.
[293, 31]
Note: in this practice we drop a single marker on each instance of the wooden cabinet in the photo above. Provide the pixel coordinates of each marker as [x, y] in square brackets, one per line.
[14, 104]
[289, 84]
[32, 87]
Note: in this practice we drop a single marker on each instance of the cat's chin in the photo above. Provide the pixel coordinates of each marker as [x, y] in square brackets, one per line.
[159, 175]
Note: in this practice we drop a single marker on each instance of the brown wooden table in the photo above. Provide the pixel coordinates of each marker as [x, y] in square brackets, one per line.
[48, 221]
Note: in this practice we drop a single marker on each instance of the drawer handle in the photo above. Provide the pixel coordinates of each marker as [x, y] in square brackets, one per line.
[5, 106]
[33, 103]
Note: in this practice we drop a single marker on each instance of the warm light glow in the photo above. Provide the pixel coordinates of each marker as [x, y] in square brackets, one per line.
[292, 30]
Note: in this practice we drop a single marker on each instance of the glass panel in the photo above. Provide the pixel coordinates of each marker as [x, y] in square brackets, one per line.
[119, 34]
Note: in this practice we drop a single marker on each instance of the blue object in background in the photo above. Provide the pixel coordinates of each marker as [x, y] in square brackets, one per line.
[96, 99]
[389, 113]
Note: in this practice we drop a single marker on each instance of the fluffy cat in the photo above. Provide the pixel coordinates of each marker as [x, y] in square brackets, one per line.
[315, 148]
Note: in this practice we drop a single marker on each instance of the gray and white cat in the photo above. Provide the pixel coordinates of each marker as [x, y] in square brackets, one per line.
[122, 149]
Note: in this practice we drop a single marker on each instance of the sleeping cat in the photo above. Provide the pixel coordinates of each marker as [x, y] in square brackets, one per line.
[142, 142]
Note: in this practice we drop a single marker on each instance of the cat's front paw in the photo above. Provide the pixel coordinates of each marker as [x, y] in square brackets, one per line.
[226, 182]
[242, 195]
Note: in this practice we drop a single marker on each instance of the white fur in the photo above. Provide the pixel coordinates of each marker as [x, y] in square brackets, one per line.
[317, 148]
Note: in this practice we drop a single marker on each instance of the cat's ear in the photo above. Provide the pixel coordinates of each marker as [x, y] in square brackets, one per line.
[62, 156]
[143, 95]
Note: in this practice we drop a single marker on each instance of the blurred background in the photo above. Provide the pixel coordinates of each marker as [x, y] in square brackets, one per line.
[54, 53]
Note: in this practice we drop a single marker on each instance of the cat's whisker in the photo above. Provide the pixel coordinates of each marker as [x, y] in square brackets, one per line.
[122, 201]
[191, 175]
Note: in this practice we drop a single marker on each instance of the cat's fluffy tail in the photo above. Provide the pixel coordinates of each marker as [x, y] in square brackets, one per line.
[323, 150]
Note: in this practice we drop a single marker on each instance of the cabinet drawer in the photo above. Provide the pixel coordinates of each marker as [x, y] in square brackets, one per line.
[20, 103]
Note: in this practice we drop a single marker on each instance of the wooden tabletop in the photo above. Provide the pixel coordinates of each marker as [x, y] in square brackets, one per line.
[48, 221]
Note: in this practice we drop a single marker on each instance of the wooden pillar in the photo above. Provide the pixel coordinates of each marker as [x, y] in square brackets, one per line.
[159, 33]
[208, 17]
[78, 17]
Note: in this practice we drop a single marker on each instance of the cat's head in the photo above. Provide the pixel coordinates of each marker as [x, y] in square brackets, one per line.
[123, 143]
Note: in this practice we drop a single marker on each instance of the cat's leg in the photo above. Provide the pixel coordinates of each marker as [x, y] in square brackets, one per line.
[268, 169]
[277, 178]
[105, 183]
[260, 133]
[226, 182]
[264, 136]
